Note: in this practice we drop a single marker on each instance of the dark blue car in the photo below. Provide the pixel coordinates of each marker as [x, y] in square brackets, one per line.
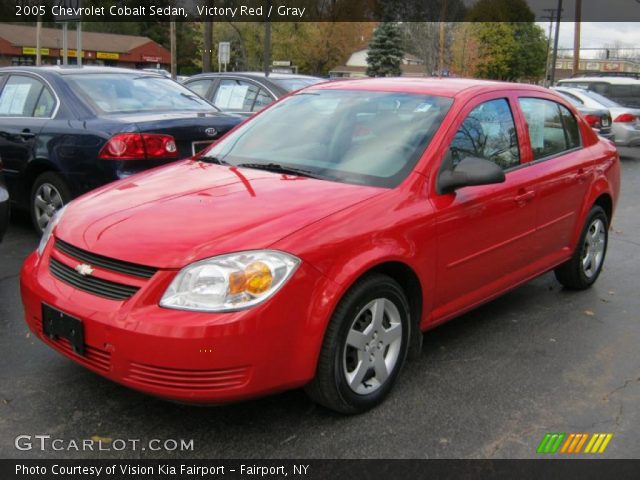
[67, 130]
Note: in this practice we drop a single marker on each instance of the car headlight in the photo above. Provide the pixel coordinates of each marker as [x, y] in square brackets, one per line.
[230, 282]
[46, 234]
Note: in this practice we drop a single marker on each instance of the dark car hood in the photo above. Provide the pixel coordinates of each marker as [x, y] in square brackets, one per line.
[190, 210]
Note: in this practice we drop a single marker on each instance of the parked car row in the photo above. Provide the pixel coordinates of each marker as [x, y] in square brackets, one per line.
[65, 131]
[623, 121]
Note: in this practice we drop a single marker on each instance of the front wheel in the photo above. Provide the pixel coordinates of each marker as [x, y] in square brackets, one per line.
[584, 267]
[364, 348]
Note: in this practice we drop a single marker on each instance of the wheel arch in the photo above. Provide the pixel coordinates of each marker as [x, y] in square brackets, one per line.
[33, 170]
[408, 279]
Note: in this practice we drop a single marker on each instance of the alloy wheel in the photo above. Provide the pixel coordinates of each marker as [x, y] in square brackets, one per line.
[593, 248]
[47, 202]
[373, 346]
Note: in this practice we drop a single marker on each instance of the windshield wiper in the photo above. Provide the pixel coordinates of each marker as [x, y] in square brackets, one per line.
[215, 160]
[278, 168]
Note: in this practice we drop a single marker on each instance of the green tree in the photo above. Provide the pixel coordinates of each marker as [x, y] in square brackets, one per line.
[385, 51]
[510, 50]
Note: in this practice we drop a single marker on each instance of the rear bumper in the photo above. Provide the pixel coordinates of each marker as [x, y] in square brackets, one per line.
[188, 356]
[627, 135]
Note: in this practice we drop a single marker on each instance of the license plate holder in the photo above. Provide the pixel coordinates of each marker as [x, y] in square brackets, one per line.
[56, 324]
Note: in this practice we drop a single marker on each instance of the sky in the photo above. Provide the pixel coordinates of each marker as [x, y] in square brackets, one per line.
[598, 34]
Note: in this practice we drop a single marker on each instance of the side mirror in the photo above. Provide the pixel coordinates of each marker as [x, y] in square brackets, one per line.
[470, 171]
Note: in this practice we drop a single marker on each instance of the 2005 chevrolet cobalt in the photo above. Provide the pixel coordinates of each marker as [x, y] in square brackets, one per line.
[313, 244]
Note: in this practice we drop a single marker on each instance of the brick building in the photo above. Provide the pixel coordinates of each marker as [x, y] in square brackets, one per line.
[18, 47]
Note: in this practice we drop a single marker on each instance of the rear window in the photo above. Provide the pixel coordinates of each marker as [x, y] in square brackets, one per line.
[124, 93]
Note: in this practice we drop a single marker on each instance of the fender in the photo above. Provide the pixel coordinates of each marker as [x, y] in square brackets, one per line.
[606, 182]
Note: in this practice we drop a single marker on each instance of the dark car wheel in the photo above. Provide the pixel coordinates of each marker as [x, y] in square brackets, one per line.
[48, 195]
[364, 347]
[584, 267]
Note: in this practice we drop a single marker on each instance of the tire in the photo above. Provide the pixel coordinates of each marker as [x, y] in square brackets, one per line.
[49, 194]
[584, 267]
[352, 379]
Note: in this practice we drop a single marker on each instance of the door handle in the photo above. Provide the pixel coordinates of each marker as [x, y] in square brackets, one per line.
[26, 133]
[524, 197]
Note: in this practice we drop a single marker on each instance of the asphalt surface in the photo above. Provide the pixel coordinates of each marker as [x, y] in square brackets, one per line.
[489, 384]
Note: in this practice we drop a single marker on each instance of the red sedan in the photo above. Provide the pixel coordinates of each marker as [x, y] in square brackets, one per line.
[314, 243]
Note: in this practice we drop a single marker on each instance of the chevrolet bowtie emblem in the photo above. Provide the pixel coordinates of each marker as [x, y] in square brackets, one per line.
[84, 269]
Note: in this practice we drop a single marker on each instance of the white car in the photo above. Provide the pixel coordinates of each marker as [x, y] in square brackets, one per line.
[625, 121]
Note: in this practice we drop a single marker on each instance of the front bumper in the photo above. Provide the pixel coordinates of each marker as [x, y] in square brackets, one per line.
[188, 356]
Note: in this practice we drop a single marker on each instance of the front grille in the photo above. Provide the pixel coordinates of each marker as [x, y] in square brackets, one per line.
[180, 379]
[94, 285]
[127, 268]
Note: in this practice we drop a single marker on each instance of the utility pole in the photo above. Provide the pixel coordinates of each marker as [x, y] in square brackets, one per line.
[206, 54]
[65, 43]
[443, 36]
[555, 42]
[174, 62]
[267, 42]
[551, 15]
[38, 41]
[79, 43]
[576, 38]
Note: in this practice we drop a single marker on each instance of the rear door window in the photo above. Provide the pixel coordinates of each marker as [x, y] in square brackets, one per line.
[552, 127]
[20, 96]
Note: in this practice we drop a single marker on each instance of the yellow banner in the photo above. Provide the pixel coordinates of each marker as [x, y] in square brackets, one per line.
[107, 55]
[74, 53]
[33, 51]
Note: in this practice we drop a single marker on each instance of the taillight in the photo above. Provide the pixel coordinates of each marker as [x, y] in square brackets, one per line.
[592, 120]
[136, 146]
[625, 118]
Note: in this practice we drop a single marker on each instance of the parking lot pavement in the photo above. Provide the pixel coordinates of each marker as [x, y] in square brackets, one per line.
[488, 385]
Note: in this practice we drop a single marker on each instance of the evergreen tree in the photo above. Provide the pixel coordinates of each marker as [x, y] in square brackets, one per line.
[385, 51]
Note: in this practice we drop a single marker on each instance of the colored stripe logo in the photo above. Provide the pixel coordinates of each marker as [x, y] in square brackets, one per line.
[574, 443]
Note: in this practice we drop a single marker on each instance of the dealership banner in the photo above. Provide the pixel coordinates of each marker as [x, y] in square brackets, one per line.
[317, 469]
[314, 10]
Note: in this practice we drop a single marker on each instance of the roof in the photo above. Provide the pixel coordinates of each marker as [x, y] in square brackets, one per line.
[447, 87]
[276, 76]
[72, 69]
[408, 70]
[612, 80]
[25, 36]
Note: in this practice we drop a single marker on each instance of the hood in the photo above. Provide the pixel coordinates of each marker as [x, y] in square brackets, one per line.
[187, 211]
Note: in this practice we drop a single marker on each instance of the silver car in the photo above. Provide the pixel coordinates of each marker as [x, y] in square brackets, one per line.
[625, 121]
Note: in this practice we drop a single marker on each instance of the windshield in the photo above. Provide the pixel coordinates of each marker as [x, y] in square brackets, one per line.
[604, 101]
[291, 84]
[369, 138]
[125, 93]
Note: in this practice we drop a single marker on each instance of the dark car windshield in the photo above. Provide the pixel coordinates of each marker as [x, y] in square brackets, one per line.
[295, 83]
[370, 138]
[127, 93]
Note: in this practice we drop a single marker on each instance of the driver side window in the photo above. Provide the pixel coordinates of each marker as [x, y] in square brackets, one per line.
[488, 132]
